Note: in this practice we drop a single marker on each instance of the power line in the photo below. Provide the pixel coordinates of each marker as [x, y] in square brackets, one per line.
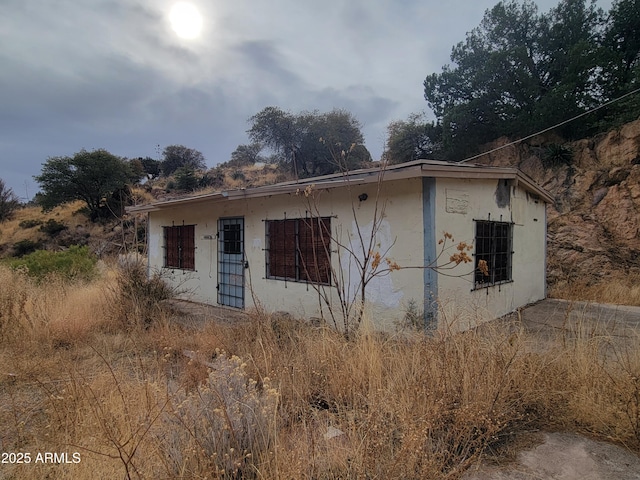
[551, 128]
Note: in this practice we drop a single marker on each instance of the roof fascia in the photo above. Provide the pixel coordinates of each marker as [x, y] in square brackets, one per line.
[413, 169]
[480, 172]
[176, 202]
[362, 178]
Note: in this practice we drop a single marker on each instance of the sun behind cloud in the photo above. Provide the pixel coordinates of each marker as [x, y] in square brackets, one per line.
[186, 20]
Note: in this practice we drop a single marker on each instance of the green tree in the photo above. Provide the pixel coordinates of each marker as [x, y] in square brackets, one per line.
[310, 143]
[333, 143]
[517, 72]
[150, 166]
[280, 131]
[186, 179]
[622, 41]
[246, 155]
[9, 202]
[621, 61]
[571, 44]
[176, 156]
[98, 178]
[413, 139]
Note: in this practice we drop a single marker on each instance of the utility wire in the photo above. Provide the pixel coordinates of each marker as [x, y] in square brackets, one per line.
[551, 128]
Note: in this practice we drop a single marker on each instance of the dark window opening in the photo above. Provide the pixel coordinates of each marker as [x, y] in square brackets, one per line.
[493, 257]
[180, 247]
[299, 249]
[232, 239]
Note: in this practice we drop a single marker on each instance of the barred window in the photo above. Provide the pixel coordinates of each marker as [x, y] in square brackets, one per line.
[232, 237]
[299, 249]
[493, 257]
[180, 247]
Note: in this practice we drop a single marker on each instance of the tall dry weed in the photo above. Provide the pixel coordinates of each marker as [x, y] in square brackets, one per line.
[616, 290]
[51, 311]
[409, 408]
[105, 412]
[14, 295]
[601, 372]
[222, 427]
[136, 298]
[293, 400]
[428, 407]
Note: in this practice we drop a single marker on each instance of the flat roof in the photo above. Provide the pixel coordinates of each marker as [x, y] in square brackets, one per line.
[415, 169]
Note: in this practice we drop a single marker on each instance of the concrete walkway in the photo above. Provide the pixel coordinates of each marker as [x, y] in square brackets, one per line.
[565, 456]
[553, 314]
[569, 456]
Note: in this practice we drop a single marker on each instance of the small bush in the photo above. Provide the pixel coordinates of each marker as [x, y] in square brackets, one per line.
[24, 247]
[238, 175]
[52, 227]
[214, 178]
[9, 202]
[557, 156]
[224, 425]
[29, 223]
[185, 179]
[137, 297]
[413, 317]
[75, 263]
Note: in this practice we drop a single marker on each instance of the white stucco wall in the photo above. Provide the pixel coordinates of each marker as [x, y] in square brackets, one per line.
[458, 204]
[399, 237]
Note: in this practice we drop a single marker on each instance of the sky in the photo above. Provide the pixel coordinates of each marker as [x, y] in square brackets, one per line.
[113, 74]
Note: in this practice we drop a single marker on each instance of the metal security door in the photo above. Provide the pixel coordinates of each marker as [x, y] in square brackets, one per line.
[231, 262]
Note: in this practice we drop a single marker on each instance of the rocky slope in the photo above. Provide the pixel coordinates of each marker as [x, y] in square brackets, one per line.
[594, 225]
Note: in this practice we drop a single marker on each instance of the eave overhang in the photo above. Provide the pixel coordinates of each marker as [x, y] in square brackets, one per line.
[415, 169]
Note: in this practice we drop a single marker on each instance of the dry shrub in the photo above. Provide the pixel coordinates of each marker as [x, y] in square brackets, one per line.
[14, 295]
[601, 381]
[303, 402]
[54, 311]
[137, 299]
[428, 407]
[222, 427]
[617, 290]
[127, 417]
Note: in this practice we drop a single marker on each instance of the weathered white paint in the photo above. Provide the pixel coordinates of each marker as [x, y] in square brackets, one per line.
[401, 235]
[458, 202]
[380, 289]
[154, 242]
[529, 216]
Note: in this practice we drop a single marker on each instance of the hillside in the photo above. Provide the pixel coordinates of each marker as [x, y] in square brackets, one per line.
[65, 225]
[594, 225]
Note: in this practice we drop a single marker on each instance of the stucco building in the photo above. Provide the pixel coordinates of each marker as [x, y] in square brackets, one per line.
[462, 243]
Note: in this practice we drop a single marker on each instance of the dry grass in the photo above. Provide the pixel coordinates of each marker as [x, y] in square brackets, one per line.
[67, 213]
[618, 290]
[274, 397]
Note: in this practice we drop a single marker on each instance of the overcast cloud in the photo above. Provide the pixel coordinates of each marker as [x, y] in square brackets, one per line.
[112, 74]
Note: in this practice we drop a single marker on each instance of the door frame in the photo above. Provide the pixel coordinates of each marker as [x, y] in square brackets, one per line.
[231, 262]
